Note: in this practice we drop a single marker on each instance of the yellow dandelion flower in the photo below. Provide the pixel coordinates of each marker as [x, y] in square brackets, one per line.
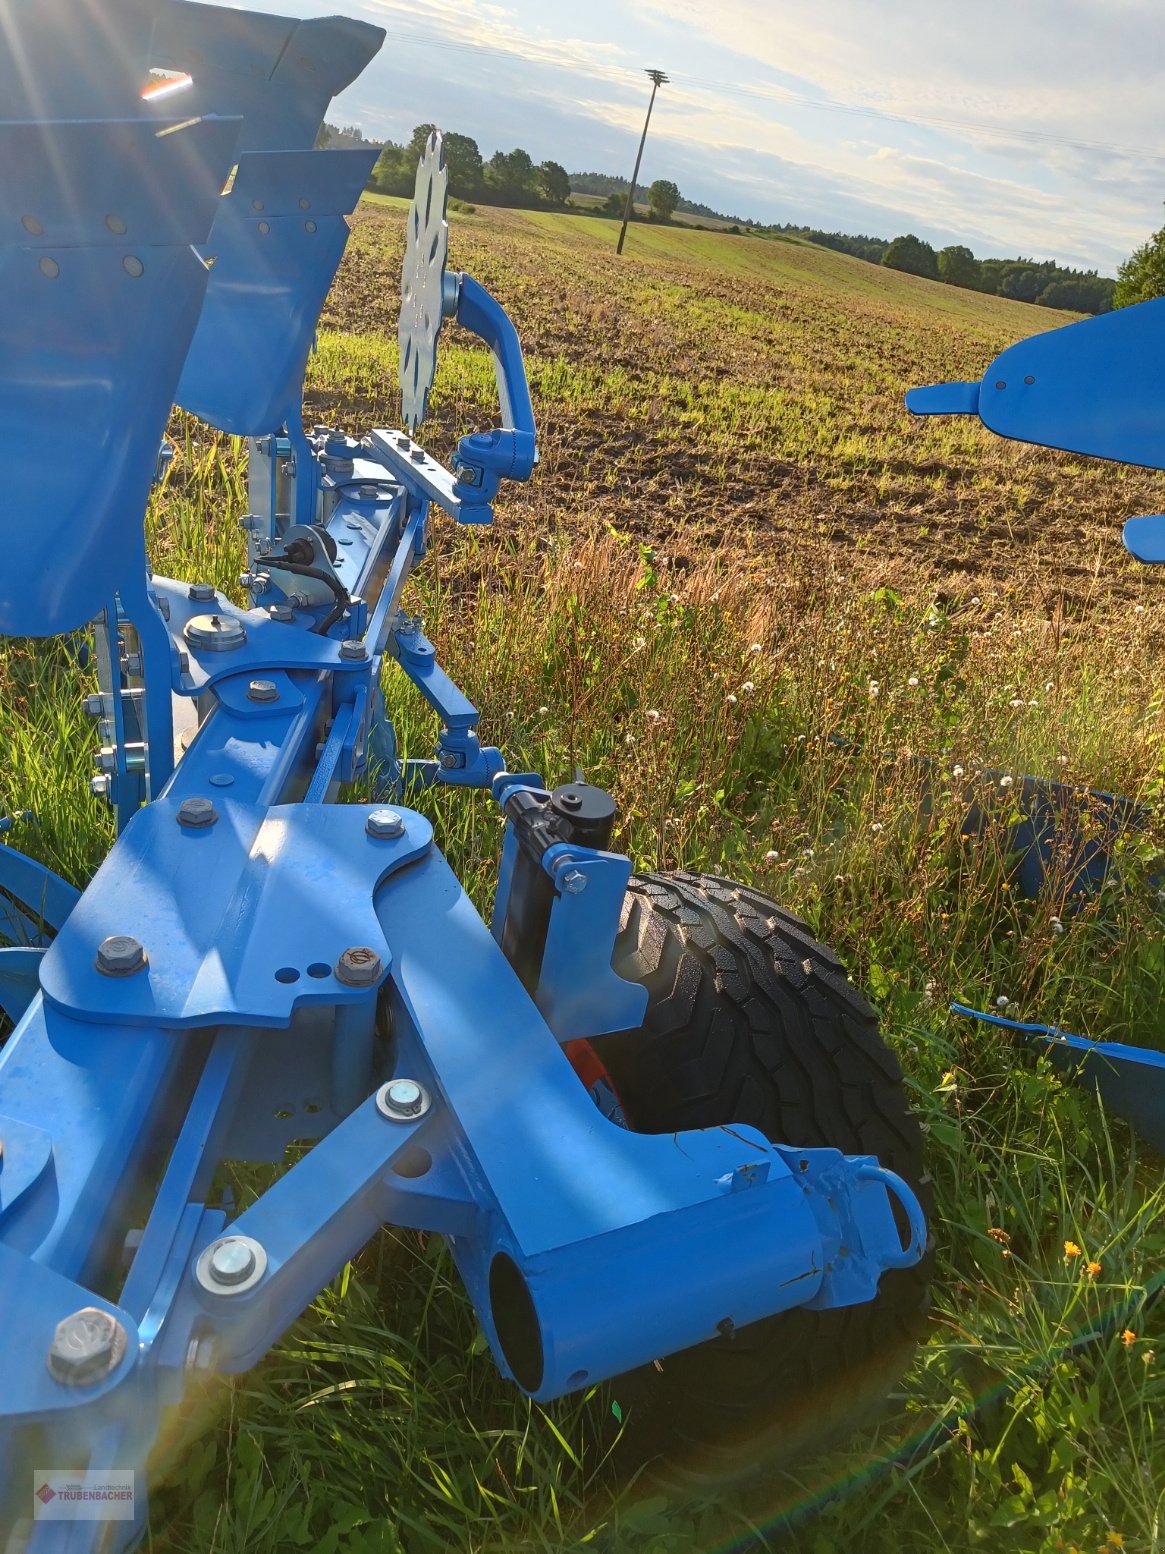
[1093, 1269]
[1115, 1540]
[1128, 1337]
[1071, 1249]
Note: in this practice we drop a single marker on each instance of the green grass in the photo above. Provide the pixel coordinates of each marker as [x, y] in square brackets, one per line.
[761, 696]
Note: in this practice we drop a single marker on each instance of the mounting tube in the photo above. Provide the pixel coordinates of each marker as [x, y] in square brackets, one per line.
[580, 1314]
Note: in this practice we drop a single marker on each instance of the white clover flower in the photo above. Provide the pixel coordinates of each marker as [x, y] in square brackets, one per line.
[772, 856]
[543, 711]
[913, 680]
[1138, 609]
[1016, 701]
[1056, 925]
[639, 643]
[1006, 782]
[1002, 1001]
[754, 647]
[877, 826]
[976, 600]
[653, 716]
[748, 686]
[956, 771]
[628, 739]
[730, 699]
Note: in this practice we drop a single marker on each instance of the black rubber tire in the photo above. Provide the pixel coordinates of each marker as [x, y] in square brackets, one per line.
[750, 1020]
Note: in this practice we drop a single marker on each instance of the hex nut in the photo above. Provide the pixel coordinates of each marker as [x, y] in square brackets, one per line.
[384, 824]
[281, 612]
[262, 690]
[574, 881]
[201, 593]
[196, 813]
[120, 955]
[359, 966]
[86, 1347]
[353, 649]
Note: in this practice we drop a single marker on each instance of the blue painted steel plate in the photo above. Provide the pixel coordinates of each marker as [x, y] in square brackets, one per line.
[1095, 387]
[73, 59]
[101, 297]
[241, 920]
[1144, 538]
[276, 242]
[279, 73]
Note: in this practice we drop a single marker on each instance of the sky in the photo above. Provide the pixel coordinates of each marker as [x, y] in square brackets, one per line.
[1033, 127]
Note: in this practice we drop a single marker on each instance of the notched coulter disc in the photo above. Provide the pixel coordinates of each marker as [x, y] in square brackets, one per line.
[423, 282]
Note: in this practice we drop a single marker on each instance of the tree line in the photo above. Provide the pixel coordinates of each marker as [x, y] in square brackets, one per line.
[507, 178]
[1043, 282]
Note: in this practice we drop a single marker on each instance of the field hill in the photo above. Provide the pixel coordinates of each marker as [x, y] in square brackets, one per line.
[708, 389]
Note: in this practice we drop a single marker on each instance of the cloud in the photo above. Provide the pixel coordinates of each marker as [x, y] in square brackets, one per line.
[777, 102]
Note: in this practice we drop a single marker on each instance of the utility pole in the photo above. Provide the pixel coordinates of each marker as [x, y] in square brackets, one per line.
[658, 79]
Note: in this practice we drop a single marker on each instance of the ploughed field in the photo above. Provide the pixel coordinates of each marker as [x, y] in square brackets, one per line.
[709, 392]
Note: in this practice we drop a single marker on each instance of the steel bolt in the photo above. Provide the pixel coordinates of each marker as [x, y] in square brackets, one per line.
[262, 690]
[417, 455]
[99, 786]
[353, 650]
[231, 1261]
[86, 1347]
[202, 593]
[281, 612]
[196, 813]
[385, 824]
[402, 1100]
[359, 966]
[449, 762]
[120, 955]
[574, 881]
[231, 1265]
[94, 706]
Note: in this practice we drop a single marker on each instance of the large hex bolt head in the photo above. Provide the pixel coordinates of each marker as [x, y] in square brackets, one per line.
[359, 966]
[196, 813]
[86, 1347]
[201, 593]
[353, 650]
[262, 690]
[120, 955]
[385, 824]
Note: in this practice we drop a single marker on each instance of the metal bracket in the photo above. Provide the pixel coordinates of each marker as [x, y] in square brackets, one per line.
[228, 914]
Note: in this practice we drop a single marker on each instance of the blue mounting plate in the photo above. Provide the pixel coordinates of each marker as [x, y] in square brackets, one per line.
[279, 73]
[276, 242]
[102, 291]
[229, 914]
[1094, 387]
